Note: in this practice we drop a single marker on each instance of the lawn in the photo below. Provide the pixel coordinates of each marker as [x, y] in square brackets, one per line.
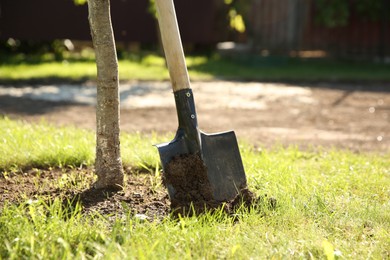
[151, 66]
[330, 204]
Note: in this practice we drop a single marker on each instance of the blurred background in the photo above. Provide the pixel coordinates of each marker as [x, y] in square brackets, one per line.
[337, 29]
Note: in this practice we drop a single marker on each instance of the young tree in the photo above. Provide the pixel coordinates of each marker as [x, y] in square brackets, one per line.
[108, 165]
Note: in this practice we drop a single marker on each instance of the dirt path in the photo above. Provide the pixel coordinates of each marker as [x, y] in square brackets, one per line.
[345, 116]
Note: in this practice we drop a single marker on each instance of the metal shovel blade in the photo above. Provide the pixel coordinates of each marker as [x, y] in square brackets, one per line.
[221, 156]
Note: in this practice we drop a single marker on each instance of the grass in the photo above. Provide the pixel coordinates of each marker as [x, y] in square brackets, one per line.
[24, 145]
[42, 145]
[330, 204]
[149, 66]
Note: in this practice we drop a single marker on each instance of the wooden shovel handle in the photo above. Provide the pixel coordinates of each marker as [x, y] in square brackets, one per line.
[172, 45]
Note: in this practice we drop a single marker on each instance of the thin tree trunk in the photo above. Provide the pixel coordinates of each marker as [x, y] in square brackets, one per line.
[108, 165]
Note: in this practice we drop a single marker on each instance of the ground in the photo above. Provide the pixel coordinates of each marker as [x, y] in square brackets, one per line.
[139, 195]
[346, 116]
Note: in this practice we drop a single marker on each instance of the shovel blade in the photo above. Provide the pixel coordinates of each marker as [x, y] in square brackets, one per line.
[221, 156]
[225, 170]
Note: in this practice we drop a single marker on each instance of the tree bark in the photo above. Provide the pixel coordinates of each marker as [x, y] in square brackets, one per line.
[108, 164]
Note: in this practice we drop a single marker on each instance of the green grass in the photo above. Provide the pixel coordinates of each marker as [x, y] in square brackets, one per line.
[42, 145]
[330, 204]
[152, 67]
[32, 145]
[22, 68]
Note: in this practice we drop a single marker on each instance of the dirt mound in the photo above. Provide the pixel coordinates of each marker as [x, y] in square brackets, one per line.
[187, 175]
[190, 190]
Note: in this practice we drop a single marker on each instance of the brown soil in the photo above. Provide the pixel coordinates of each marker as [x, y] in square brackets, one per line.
[187, 175]
[192, 192]
[139, 197]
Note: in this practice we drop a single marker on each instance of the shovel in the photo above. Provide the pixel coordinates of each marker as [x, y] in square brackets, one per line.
[218, 152]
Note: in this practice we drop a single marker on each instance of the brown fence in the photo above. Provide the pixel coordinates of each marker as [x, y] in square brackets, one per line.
[61, 19]
[278, 26]
[284, 26]
[362, 37]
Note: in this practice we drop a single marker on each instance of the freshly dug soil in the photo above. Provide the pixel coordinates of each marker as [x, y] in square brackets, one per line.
[139, 195]
[187, 175]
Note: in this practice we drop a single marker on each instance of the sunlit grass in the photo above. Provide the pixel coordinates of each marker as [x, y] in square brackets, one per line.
[330, 203]
[24, 145]
[61, 70]
[47, 230]
[148, 67]
[29, 145]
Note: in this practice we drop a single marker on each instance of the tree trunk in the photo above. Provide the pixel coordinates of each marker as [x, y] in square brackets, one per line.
[108, 165]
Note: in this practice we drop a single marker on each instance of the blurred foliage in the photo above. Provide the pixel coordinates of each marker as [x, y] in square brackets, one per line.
[336, 13]
[238, 13]
[236, 21]
[59, 48]
[332, 13]
[79, 2]
[370, 9]
[152, 8]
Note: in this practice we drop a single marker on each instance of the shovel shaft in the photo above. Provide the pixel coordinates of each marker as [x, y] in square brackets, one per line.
[173, 49]
[188, 132]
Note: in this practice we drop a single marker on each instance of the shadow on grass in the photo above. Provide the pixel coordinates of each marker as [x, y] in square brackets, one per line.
[90, 198]
[44, 81]
[27, 106]
[362, 75]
